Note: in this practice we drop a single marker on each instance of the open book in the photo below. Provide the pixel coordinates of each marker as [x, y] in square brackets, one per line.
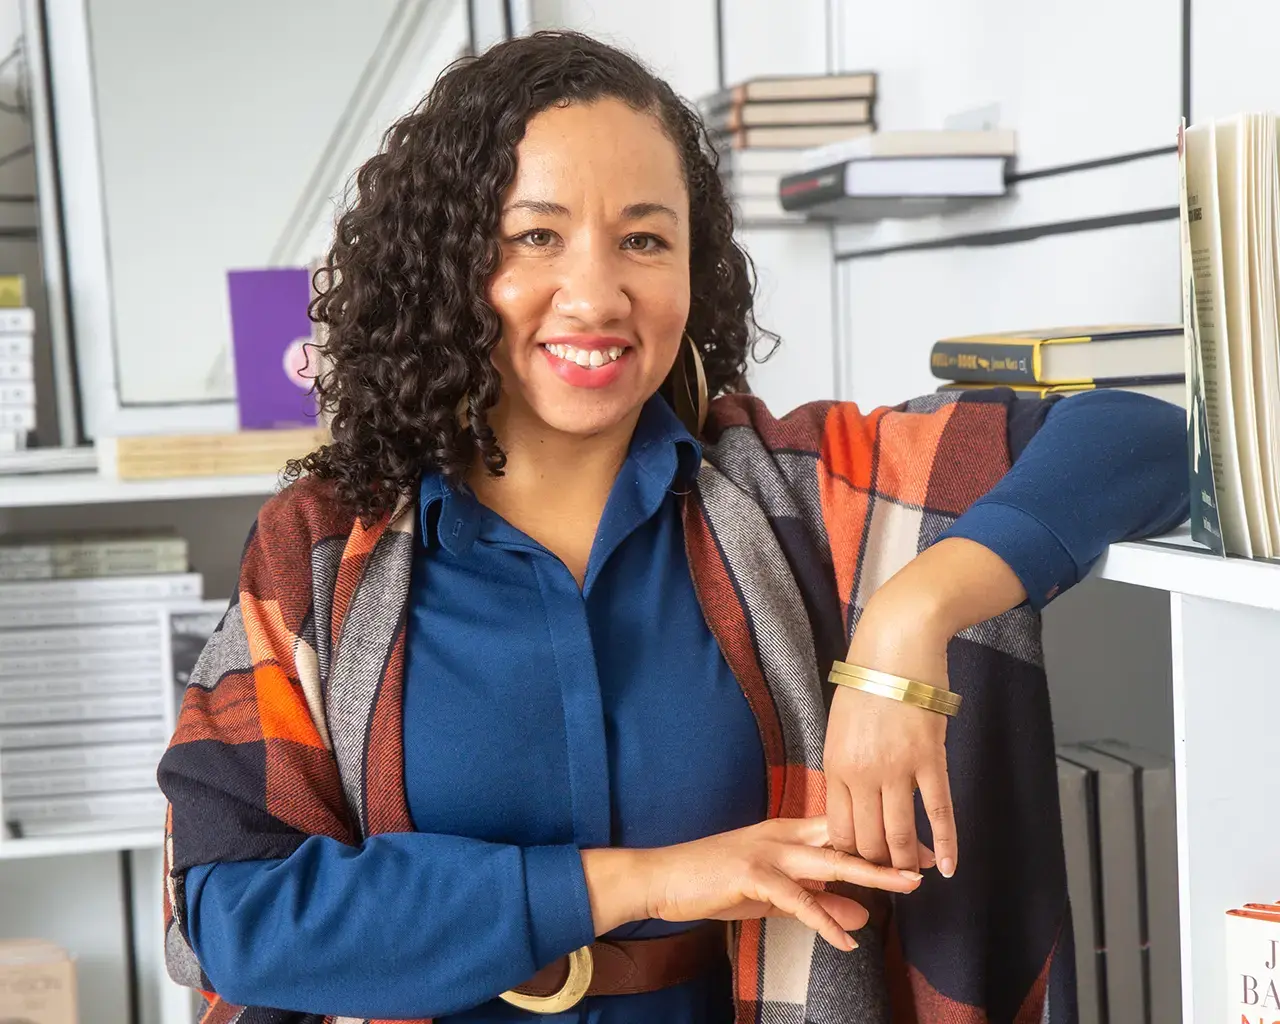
[1230, 206]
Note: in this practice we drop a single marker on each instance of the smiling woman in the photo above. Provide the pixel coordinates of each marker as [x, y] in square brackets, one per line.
[535, 674]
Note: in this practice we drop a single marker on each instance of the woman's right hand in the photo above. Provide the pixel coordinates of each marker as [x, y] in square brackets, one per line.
[752, 872]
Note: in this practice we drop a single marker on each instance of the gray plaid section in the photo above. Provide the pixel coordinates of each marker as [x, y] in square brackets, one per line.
[774, 1012]
[931, 402]
[368, 633]
[849, 987]
[326, 557]
[180, 960]
[779, 622]
[226, 651]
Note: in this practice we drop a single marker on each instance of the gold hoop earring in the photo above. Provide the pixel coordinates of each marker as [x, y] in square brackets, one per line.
[689, 388]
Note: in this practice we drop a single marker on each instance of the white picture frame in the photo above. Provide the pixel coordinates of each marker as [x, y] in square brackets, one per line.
[185, 628]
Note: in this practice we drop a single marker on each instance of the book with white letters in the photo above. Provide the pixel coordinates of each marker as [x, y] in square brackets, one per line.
[1253, 964]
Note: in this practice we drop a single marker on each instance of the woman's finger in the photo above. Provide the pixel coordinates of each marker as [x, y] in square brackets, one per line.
[927, 859]
[900, 825]
[791, 897]
[805, 863]
[935, 791]
[849, 914]
[840, 828]
[868, 825]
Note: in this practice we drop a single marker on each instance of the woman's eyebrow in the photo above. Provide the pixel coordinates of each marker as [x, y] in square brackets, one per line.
[542, 206]
[638, 211]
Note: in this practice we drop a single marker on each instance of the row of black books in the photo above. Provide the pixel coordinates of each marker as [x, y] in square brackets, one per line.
[1146, 358]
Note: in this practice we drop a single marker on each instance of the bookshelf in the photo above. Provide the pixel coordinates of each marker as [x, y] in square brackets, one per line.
[89, 842]
[1225, 646]
[40, 490]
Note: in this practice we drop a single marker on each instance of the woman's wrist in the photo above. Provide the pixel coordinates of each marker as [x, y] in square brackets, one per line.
[617, 886]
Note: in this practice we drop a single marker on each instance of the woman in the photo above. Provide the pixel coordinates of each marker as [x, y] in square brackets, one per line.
[524, 686]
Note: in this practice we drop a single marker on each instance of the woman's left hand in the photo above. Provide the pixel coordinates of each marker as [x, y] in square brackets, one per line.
[878, 751]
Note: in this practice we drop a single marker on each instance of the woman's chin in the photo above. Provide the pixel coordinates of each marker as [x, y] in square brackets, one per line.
[588, 416]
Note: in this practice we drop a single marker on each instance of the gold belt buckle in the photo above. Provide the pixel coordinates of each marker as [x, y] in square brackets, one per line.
[572, 992]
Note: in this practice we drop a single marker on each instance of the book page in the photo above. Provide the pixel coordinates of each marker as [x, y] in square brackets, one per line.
[1233, 188]
[1211, 365]
[1263, 312]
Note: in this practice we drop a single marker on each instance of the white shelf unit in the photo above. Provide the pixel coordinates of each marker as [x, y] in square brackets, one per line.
[1225, 651]
[89, 842]
[42, 490]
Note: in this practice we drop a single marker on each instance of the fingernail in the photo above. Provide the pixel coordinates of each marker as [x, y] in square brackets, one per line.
[947, 866]
[913, 876]
[853, 943]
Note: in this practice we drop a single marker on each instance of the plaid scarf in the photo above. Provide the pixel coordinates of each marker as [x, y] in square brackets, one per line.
[291, 725]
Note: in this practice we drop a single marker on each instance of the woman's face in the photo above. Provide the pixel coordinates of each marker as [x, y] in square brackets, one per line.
[593, 287]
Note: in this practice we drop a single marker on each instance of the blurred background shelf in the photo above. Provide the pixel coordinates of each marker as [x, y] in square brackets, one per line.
[90, 842]
[49, 489]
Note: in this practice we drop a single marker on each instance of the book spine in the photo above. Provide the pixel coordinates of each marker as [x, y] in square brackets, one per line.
[12, 418]
[94, 638]
[83, 758]
[77, 782]
[24, 665]
[988, 363]
[807, 189]
[17, 321]
[52, 616]
[16, 346]
[139, 803]
[41, 687]
[72, 734]
[16, 370]
[64, 710]
[163, 588]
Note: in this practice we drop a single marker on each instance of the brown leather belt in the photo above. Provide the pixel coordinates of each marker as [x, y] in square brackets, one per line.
[623, 967]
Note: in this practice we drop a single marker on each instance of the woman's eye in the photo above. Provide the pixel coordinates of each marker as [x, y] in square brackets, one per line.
[642, 243]
[538, 238]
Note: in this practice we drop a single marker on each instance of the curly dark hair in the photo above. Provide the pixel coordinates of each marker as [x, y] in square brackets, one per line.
[407, 331]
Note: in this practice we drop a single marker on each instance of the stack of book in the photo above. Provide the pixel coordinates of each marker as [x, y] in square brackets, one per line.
[900, 174]
[1120, 838]
[83, 680]
[763, 126]
[17, 378]
[1146, 358]
[1230, 206]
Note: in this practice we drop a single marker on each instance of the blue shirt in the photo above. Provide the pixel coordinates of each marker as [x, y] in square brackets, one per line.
[541, 718]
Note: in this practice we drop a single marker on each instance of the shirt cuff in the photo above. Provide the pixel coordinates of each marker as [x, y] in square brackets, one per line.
[559, 908]
[1037, 557]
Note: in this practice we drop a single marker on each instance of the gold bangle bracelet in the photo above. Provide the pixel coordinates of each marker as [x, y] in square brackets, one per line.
[907, 691]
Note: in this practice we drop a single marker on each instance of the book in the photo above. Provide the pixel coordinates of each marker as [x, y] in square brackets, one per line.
[994, 142]
[1117, 861]
[791, 136]
[843, 188]
[751, 115]
[1063, 355]
[246, 452]
[1229, 205]
[1168, 389]
[52, 594]
[1158, 870]
[1077, 799]
[74, 734]
[272, 347]
[858, 84]
[37, 983]
[1251, 944]
[79, 758]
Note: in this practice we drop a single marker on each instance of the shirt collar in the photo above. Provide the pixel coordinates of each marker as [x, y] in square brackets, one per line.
[661, 447]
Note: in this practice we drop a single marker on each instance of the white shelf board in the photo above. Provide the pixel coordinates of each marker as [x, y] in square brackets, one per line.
[90, 842]
[1177, 564]
[48, 489]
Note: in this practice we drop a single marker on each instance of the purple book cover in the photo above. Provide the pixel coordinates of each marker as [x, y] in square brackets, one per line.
[271, 338]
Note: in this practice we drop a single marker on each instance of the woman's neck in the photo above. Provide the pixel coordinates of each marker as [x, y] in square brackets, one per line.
[554, 486]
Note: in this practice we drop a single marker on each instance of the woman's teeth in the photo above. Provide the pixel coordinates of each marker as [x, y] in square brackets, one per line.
[588, 357]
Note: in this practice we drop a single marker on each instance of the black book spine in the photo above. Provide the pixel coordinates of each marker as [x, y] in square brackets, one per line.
[806, 189]
[985, 363]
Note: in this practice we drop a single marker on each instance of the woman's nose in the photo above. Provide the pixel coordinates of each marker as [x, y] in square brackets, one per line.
[593, 289]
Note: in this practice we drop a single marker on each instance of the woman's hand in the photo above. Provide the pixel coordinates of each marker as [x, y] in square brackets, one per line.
[878, 751]
[753, 872]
